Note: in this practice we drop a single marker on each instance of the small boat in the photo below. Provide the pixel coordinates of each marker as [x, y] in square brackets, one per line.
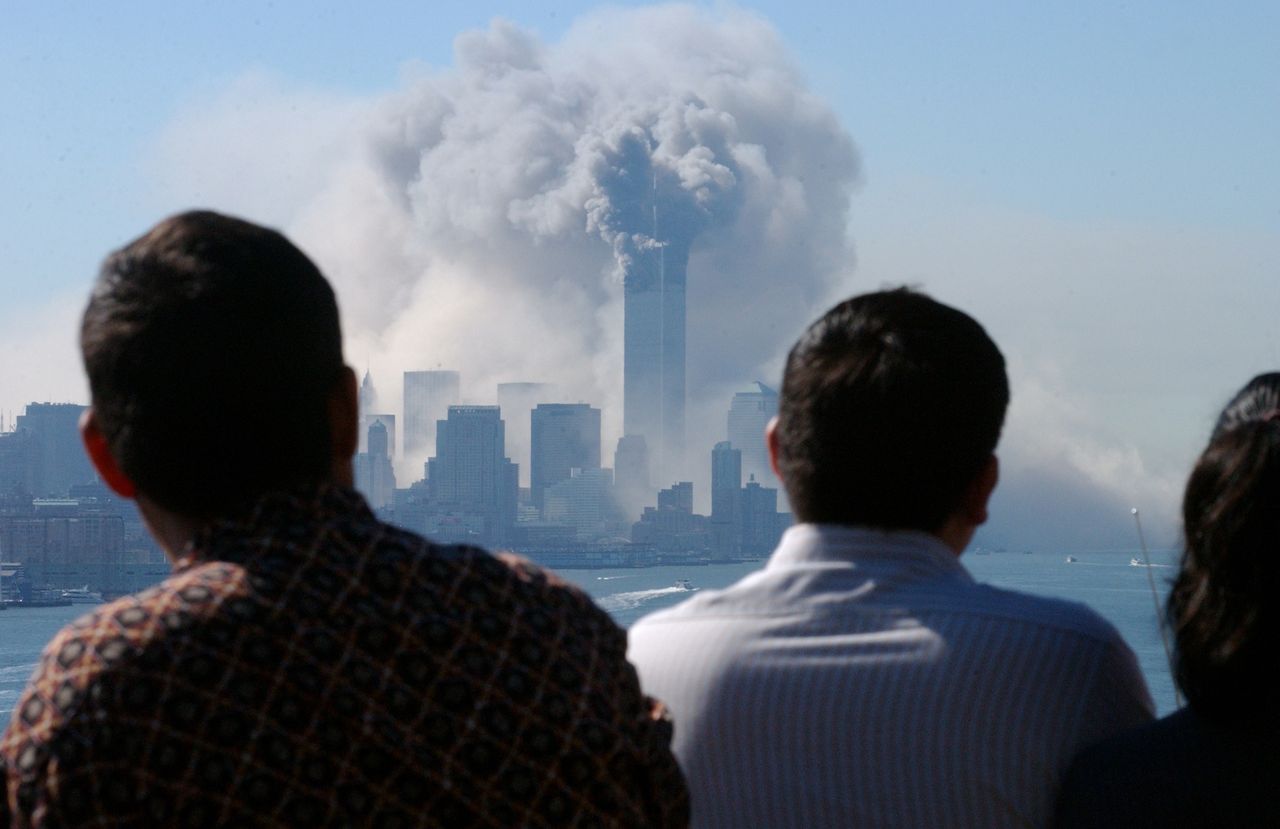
[82, 595]
[683, 584]
[1133, 562]
[1072, 559]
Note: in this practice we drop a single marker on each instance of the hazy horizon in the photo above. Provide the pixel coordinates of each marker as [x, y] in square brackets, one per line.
[1092, 184]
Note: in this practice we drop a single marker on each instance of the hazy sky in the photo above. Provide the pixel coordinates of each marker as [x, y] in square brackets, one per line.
[1096, 183]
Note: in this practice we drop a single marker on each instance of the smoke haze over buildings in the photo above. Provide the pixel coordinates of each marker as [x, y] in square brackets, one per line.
[478, 216]
[481, 217]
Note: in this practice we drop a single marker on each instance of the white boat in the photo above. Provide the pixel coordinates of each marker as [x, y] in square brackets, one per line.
[82, 595]
[683, 584]
[1072, 559]
[1133, 562]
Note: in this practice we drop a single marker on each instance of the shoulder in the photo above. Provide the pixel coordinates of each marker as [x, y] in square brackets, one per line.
[1179, 770]
[115, 635]
[1043, 613]
[111, 651]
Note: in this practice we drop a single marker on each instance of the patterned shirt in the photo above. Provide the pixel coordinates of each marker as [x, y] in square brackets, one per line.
[311, 666]
[863, 678]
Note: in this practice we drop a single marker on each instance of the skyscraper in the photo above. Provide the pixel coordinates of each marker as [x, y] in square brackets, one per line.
[516, 400]
[374, 475]
[653, 363]
[56, 455]
[427, 397]
[631, 475]
[726, 481]
[749, 414]
[368, 394]
[369, 413]
[470, 470]
[564, 437]
[388, 422]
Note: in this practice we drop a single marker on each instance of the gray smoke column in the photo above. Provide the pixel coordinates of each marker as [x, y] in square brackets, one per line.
[486, 215]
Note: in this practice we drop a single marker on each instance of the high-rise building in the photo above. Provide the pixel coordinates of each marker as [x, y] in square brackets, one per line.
[564, 437]
[427, 398]
[374, 476]
[678, 496]
[56, 456]
[369, 413]
[17, 462]
[470, 471]
[726, 481]
[631, 475]
[388, 422]
[653, 363]
[368, 395]
[517, 401]
[749, 414]
[582, 501]
[762, 524]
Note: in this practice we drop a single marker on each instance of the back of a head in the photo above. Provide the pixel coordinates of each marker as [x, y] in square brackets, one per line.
[212, 346]
[1222, 606]
[891, 404]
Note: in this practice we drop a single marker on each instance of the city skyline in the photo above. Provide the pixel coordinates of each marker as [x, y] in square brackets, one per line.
[1091, 182]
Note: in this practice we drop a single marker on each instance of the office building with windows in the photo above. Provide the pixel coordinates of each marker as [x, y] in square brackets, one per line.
[563, 437]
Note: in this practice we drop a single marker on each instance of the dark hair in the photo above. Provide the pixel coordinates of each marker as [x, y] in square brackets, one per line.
[891, 403]
[212, 346]
[1222, 606]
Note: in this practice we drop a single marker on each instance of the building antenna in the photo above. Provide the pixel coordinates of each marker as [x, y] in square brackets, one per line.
[1155, 599]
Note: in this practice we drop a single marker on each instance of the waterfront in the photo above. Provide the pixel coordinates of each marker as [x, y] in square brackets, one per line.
[1104, 581]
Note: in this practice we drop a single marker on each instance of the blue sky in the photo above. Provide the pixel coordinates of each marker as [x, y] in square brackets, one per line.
[1094, 181]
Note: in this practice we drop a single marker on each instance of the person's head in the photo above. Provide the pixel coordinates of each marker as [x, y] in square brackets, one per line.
[214, 358]
[891, 407]
[1223, 604]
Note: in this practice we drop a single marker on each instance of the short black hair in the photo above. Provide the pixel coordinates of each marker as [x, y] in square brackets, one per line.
[891, 404]
[1222, 606]
[212, 346]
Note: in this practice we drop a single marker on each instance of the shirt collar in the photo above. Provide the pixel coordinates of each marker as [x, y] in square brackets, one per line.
[860, 546]
[295, 514]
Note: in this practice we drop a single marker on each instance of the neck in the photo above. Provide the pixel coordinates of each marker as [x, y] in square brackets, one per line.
[173, 532]
[956, 534]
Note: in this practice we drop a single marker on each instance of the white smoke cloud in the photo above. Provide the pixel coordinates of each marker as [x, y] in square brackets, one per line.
[478, 218]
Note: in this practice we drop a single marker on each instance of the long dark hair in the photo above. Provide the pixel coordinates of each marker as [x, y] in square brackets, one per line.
[1225, 601]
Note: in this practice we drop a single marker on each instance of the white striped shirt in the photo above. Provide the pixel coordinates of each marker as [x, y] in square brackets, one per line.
[864, 678]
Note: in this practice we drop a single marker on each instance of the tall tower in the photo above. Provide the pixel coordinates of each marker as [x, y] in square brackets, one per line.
[368, 395]
[749, 414]
[726, 481]
[374, 476]
[653, 362]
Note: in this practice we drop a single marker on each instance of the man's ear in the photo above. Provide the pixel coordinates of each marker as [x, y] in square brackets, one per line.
[95, 444]
[344, 417]
[771, 443]
[978, 494]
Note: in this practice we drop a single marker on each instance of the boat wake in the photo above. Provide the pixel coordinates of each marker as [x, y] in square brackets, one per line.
[636, 598]
[611, 578]
[18, 672]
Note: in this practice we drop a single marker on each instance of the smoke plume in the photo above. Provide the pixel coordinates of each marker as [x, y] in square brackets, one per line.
[481, 216]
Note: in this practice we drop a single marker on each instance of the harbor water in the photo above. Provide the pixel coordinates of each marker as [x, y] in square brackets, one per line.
[1103, 580]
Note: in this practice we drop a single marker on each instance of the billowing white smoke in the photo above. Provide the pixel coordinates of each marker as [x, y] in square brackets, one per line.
[482, 215]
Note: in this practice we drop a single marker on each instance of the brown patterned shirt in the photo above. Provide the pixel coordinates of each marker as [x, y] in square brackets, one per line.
[313, 666]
